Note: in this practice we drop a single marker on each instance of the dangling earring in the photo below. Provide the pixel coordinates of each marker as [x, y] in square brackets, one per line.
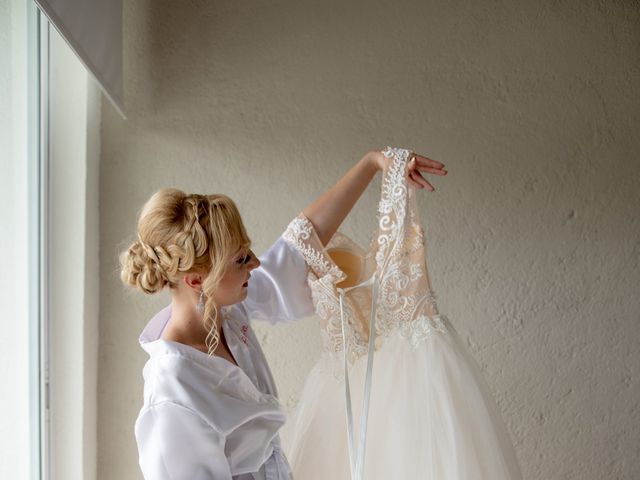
[200, 305]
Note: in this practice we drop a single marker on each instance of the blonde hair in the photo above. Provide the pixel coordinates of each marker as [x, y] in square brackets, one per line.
[182, 233]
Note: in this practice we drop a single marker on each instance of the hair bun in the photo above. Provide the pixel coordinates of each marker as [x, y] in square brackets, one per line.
[140, 267]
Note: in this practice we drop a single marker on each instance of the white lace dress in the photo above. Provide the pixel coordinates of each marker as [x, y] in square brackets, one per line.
[428, 413]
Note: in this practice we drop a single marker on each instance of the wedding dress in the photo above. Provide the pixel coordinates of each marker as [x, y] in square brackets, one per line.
[426, 410]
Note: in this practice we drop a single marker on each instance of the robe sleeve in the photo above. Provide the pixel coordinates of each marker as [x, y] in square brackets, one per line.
[175, 443]
[278, 290]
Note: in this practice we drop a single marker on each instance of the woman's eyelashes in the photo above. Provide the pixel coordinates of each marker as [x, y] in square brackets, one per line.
[244, 259]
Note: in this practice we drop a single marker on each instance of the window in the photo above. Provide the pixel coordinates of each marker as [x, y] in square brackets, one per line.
[49, 144]
[21, 375]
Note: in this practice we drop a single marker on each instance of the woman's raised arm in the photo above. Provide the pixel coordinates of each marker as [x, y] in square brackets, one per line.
[328, 211]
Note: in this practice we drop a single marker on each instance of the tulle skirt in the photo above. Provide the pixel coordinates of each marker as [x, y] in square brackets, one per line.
[431, 417]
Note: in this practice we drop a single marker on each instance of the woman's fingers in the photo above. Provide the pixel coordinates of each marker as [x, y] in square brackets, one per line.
[436, 171]
[419, 179]
[413, 182]
[422, 161]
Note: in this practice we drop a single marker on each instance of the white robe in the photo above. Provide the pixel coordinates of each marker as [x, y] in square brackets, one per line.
[204, 418]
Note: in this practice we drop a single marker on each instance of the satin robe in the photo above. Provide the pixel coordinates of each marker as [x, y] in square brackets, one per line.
[204, 418]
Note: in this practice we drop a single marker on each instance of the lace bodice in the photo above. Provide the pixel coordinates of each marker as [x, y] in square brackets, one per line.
[397, 254]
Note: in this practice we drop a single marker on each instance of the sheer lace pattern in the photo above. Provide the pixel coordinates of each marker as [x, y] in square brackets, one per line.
[406, 303]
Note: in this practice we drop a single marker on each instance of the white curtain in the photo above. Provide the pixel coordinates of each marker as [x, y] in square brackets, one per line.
[93, 29]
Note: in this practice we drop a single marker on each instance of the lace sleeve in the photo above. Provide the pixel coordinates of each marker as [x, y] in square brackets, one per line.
[303, 236]
[323, 276]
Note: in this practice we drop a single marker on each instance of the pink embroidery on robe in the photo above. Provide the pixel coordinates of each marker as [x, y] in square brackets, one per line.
[244, 337]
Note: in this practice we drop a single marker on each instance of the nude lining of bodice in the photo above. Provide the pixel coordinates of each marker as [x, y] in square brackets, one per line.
[353, 263]
[358, 266]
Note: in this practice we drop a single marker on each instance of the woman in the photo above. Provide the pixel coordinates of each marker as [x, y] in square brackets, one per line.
[210, 403]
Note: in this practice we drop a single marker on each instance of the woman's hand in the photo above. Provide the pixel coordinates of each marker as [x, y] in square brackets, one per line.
[327, 212]
[416, 163]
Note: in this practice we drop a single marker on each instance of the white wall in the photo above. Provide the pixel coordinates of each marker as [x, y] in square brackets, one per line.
[533, 236]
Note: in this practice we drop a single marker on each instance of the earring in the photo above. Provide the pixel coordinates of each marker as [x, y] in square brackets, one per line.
[200, 305]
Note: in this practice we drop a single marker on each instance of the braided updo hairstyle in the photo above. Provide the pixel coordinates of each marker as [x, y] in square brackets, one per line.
[182, 233]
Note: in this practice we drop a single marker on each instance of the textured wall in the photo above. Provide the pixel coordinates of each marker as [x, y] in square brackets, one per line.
[534, 236]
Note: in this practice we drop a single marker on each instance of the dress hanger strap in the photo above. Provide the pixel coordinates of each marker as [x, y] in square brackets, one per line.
[368, 281]
[356, 452]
